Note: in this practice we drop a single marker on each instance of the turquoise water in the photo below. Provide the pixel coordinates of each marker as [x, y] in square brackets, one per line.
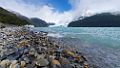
[100, 44]
[104, 35]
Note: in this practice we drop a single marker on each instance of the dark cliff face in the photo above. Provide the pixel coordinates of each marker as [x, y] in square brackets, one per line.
[7, 17]
[38, 22]
[98, 20]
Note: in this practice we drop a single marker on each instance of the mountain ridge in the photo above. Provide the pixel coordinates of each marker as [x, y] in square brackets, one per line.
[98, 20]
[11, 18]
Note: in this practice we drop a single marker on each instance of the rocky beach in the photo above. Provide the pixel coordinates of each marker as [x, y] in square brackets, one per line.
[21, 47]
[59, 34]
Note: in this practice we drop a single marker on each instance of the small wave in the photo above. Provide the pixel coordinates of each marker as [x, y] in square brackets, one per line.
[57, 35]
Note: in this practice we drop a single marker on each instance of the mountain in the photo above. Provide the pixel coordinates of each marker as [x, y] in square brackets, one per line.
[7, 17]
[98, 20]
[34, 21]
[14, 18]
[38, 22]
[51, 24]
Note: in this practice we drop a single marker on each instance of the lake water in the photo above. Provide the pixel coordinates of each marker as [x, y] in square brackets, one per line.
[100, 44]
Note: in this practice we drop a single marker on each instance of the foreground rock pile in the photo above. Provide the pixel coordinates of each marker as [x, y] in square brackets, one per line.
[22, 48]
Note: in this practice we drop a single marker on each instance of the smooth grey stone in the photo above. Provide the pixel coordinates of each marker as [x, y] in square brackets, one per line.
[42, 62]
[29, 66]
[66, 66]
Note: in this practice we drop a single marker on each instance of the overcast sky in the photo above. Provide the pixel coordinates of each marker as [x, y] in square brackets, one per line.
[60, 11]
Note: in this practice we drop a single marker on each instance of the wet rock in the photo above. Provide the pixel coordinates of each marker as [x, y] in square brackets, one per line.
[84, 57]
[66, 66]
[64, 61]
[3, 56]
[79, 59]
[23, 43]
[67, 53]
[27, 60]
[55, 66]
[70, 53]
[15, 56]
[1, 67]
[26, 51]
[30, 66]
[14, 64]
[75, 65]
[40, 56]
[71, 59]
[42, 62]
[32, 51]
[51, 57]
[5, 63]
[58, 54]
[45, 67]
[55, 62]
[22, 64]
[85, 65]
[14, 61]
[51, 52]
[2, 42]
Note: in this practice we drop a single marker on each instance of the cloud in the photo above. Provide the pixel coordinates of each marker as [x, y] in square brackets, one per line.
[45, 12]
[49, 14]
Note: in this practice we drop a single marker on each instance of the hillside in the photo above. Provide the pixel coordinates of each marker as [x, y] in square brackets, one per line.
[14, 18]
[38, 22]
[98, 20]
[7, 17]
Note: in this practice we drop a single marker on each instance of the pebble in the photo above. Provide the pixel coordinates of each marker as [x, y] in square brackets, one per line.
[55, 62]
[22, 48]
[27, 59]
[42, 62]
[23, 63]
[5, 63]
[70, 53]
[66, 66]
[32, 51]
[64, 61]
[85, 65]
[15, 66]
[30, 66]
[14, 61]
[40, 56]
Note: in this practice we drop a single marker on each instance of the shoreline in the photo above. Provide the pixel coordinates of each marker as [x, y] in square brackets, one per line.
[22, 48]
[98, 55]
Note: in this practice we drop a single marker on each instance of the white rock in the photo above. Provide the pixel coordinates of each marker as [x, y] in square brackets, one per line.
[23, 63]
[5, 63]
